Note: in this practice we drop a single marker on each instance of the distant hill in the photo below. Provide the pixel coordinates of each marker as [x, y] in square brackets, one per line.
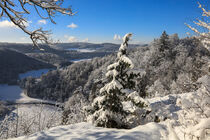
[12, 63]
[61, 54]
[61, 48]
[50, 58]
[29, 48]
[107, 47]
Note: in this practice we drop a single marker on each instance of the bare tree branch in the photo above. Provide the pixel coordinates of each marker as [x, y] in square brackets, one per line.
[205, 35]
[50, 7]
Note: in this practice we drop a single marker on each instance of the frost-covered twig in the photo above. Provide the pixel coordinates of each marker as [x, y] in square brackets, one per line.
[24, 123]
[195, 115]
[205, 35]
[9, 10]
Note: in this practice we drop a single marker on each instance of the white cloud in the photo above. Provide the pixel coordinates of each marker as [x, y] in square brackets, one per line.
[42, 21]
[86, 40]
[72, 39]
[72, 25]
[10, 24]
[7, 24]
[117, 37]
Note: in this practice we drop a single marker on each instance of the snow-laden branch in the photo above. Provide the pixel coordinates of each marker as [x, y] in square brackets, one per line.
[18, 17]
[204, 36]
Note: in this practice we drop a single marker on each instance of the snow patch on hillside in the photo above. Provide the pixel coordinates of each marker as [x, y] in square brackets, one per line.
[16, 94]
[79, 60]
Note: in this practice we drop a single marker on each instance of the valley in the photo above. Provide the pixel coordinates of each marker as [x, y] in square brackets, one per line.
[54, 96]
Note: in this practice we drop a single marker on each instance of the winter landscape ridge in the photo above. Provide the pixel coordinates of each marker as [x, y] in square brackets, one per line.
[151, 81]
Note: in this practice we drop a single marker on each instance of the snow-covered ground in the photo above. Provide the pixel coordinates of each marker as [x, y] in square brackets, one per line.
[32, 114]
[184, 116]
[86, 131]
[179, 120]
[170, 129]
[16, 94]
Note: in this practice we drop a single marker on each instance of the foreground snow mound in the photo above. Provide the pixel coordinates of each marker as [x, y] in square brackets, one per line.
[86, 131]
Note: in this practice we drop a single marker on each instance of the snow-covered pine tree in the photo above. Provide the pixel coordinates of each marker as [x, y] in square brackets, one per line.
[162, 49]
[107, 109]
[164, 41]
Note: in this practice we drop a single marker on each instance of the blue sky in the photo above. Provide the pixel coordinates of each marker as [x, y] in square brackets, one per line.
[99, 21]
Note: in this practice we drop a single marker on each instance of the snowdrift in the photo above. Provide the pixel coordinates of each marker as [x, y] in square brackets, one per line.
[85, 131]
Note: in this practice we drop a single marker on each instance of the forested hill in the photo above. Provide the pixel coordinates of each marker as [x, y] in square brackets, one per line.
[13, 63]
[60, 54]
[171, 67]
[105, 47]
[45, 59]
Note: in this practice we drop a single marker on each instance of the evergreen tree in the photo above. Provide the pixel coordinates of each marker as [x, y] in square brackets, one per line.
[164, 41]
[107, 109]
[162, 50]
